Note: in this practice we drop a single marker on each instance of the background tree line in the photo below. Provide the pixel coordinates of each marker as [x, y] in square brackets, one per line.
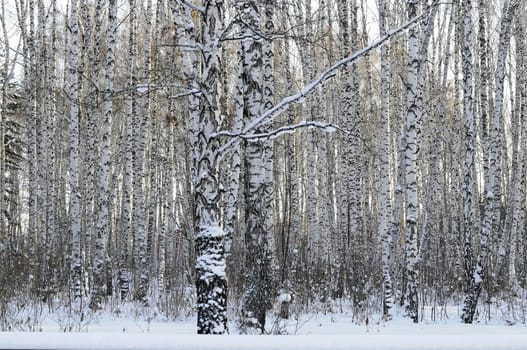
[151, 153]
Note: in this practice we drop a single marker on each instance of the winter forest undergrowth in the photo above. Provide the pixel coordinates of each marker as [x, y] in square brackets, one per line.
[247, 163]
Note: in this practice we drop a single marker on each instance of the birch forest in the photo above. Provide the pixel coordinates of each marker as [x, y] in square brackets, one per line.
[248, 161]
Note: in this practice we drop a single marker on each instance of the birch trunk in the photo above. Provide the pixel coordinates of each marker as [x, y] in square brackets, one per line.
[484, 80]
[234, 186]
[211, 280]
[30, 91]
[74, 212]
[138, 154]
[491, 201]
[3, 106]
[50, 147]
[259, 282]
[103, 224]
[127, 218]
[292, 234]
[468, 179]
[413, 143]
[385, 210]
[520, 155]
[346, 118]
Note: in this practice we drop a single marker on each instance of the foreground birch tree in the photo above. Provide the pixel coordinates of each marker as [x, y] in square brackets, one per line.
[210, 266]
[204, 119]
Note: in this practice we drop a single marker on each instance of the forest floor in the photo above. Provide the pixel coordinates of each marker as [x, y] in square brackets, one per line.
[135, 329]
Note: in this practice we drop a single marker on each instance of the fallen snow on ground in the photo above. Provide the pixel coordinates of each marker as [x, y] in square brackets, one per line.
[319, 331]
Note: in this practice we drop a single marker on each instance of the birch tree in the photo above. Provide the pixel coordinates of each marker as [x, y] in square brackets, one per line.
[103, 224]
[346, 111]
[468, 181]
[492, 188]
[127, 217]
[139, 117]
[257, 81]
[76, 263]
[518, 209]
[204, 118]
[412, 140]
[384, 193]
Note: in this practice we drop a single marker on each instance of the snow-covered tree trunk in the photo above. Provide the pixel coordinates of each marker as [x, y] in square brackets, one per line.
[103, 207]
[259, 279]
[413, 144]
[211, 281]
[385, 210]
[491, 201]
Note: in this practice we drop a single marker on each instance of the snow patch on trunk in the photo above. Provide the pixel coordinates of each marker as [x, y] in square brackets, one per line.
[212, 262]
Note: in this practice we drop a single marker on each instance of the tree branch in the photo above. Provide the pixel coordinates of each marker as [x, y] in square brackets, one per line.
[188, 93]
[328, 74]
[200, 9]
[287, 129]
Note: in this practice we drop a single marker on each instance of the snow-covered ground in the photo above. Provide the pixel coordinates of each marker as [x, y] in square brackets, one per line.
[315, 331]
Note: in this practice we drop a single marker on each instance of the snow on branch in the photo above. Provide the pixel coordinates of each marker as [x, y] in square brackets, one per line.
[287, 129]
[200, 9]
[282, 106]
[187, 93]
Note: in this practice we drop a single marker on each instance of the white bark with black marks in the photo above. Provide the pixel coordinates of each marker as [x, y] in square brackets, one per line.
[385, 202]
[103, 224]
[74, 211]
[491, 199]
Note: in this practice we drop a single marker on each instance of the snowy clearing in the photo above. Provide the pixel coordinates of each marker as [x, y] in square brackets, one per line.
[330, 331]
[492, 339]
